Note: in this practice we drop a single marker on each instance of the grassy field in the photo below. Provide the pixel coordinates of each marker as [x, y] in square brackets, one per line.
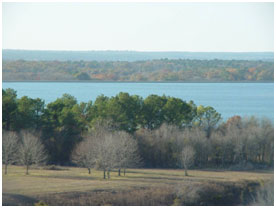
[73, 186]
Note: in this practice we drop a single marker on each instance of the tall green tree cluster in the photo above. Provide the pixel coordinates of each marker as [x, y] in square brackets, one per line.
[131, 112]
[63, 123]
[21, 113]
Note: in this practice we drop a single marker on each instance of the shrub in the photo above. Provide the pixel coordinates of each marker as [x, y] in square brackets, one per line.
[40, 203]
[53, 167]
[264, 195]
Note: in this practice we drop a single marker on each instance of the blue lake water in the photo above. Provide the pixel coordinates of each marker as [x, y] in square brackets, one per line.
[229, 99]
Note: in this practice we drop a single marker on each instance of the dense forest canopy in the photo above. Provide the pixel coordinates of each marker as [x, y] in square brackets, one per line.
[160, 125]
[182, 70]
[38, 55]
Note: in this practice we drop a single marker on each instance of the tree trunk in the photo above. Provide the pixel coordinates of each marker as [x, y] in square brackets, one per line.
[89, 172]
[104, 174]
[108, 174]
[119, 172]
[186, 172]
[124, 172]
[27, 170]
[8, 124]
[6, 169]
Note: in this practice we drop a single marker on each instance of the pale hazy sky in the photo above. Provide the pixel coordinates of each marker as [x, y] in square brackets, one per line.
[139, 26]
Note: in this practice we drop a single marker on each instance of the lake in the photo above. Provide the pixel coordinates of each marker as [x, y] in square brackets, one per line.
[229, 99]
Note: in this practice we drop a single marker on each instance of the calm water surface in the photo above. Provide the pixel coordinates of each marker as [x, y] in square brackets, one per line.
[229, 99]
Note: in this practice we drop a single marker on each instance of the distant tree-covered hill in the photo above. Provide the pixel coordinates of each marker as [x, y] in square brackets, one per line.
[36, 55]
[152, 70]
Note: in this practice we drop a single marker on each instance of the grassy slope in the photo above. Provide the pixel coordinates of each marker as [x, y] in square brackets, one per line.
[43, 182]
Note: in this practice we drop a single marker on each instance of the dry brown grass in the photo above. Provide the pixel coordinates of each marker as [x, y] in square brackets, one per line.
[138, 197]
[76, 185]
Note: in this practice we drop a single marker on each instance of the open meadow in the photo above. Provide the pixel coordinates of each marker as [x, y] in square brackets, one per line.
[74, 186]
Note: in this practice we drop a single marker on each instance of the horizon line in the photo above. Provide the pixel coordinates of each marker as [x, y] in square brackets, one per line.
[139, 51]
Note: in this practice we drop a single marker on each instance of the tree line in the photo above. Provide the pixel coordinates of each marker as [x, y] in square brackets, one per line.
[239, 143]
[41, 55]
[151, 70]
[128, 131]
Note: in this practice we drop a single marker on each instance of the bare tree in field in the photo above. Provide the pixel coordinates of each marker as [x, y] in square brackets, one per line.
[9, 148]
[197, 138]
[105, 153]
[96, 150]
[106, 149]
[31, 151]
[84, 154]
[126, 151]
[187, 158]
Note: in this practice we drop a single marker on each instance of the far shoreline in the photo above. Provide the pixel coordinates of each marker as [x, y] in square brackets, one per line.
[109, 81]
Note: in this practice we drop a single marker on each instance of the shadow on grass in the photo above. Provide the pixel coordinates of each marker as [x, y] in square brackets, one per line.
[177, 177]
[152, 178]
[151, 173]
[129, 177]
[67, 177]
[17, 200]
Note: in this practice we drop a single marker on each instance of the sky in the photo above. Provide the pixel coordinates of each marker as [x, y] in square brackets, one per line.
[182, 26]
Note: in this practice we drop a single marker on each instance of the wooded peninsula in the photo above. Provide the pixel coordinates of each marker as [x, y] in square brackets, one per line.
[161, 70]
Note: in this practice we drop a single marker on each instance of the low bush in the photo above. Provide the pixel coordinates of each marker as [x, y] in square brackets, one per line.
[53, 167]
[40, 203]
[215, 194]
[264, 195]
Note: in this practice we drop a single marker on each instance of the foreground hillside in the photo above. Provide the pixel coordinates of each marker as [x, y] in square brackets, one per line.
[74, 186]
[169, 70]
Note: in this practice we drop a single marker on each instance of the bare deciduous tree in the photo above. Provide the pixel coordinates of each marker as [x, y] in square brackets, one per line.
[31, 150]
[126, 151]
[105, 153]
[84, 154]
[160, 146]
[197, 138]
[105, 150]
[96, 150]
[187, 158]
[9, 148]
